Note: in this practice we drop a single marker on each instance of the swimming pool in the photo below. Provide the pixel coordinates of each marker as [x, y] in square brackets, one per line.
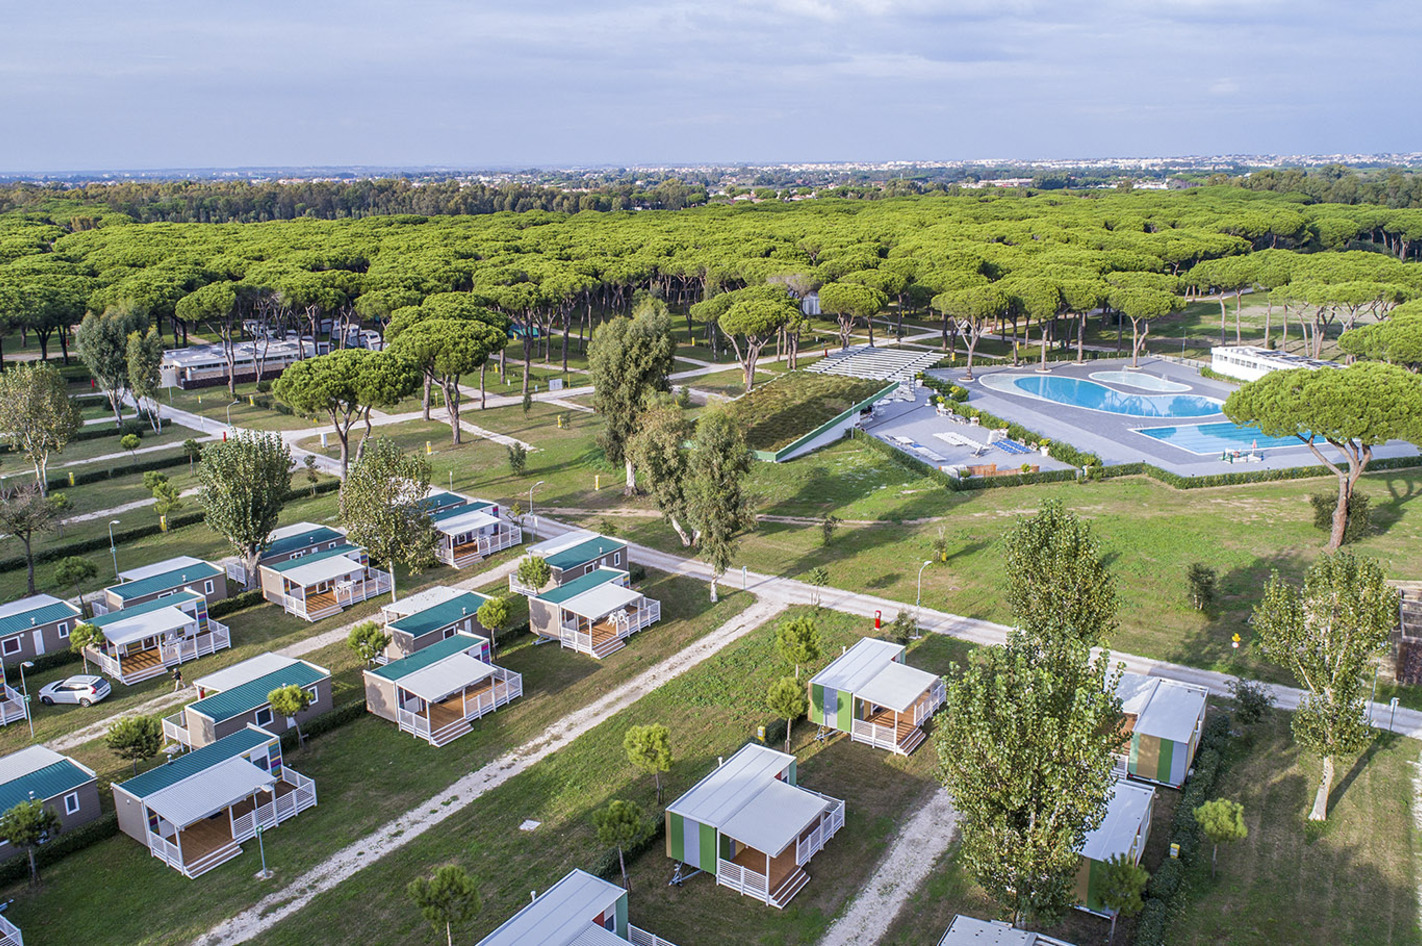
[1208, 439]
[1088, 395]
[1134, 379]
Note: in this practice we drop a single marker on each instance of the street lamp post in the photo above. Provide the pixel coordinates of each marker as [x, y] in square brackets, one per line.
[112, 548]
[25, 689]
[919, 600]
[530, 502]
[229, 414]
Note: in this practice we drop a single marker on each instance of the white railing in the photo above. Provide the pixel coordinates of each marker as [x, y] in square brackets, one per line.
[175, 728]
[12, 708]
[98, 607]
[379, 582]
[648, 614]
[413, 722]
[236, 571]
[10, 935]
[165, 850]
[577, 640]
[211, 859]
[279, 809]
[508, 686]
[882, 737]
[829, 824]
[640, 937]
[297, 606]
[937, 694]
[217, 637]
[742, 880]
[518, 587]
[105, 662]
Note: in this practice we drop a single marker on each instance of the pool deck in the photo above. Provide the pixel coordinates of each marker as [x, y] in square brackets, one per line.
[1113, 437]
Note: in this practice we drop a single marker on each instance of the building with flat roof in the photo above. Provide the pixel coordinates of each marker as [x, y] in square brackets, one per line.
[64, 785]
[1248, 363]
[579, 910]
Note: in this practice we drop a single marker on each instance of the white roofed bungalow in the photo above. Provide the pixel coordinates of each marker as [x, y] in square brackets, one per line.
[323, 583]
[470, 532]
[142, 641]
[194, 811]
[430, 616]
[870, 693]
[1164, 719]
[594, 614]
[293, 541]
[968, 931]
[579, 910]
[438, 692]
[752, 826]
[1123, 831]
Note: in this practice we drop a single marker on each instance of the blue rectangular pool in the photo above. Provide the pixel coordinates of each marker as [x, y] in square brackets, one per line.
[1207, 439]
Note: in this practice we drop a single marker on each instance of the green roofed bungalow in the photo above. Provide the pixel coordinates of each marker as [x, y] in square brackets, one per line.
[144, 640]
[291, 541]
[869, 692]
[572, 555]
[235, 697]
[468, 533]
[35, 772]
[194, 811]
[752, 826]
[33, 626]
[437, 693]
[429, 616]
[323, 583]
[593, 614]
[144, 584]
[1123, 831]
[1164, 719]
[579, 910]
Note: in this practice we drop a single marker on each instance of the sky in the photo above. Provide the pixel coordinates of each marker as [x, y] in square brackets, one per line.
[90, 85]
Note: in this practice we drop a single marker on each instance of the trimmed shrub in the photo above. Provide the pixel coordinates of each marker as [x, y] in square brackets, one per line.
[1166, 879]
[238, 602]
[1150, 929]
[17, 869]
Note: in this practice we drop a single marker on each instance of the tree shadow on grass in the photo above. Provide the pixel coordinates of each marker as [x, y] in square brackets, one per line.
[1381, 741]
[1239, 590]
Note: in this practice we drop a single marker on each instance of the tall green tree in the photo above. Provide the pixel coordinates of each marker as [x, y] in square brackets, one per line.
[216, 305]
[658, 449]
[73, 571]
[448, 898]
[144, 356]
[973, 309]
[1351, 410]
[620, 825]
[135, 738]
[797, 641]
[493, 615]
[337, 387]
[381, 505]
[102, 344]
[447, 349]
[1122, 889]
[37, 417]
[648, 748]
[244, 483]
[83, 636]
[849, 303]
[26, 513]
[27, 825]
[1222, 820]
[753, 324]
[368, 639]
[787, 700]
[1327, 634]
[629, 361]
[716, 495]
[1141, 305]
[290, 701]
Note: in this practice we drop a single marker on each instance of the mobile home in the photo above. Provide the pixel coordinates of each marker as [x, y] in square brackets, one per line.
[231, 699]
[869, 692]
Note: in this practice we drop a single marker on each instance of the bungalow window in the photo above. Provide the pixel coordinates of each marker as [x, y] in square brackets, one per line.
[167, 594]
[71, 803]
[617, 558]
[449, 632]
[311, 692]
[264, 716]
[207, 587]
[63, 628]
[10, 646]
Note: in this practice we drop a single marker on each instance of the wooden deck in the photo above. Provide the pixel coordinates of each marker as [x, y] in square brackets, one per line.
[140, 661]
[781, 868]
[451, 709]
[246, 806]
[320, 601]
[201, 839]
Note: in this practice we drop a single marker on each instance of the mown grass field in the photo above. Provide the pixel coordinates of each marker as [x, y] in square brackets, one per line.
[775, 415]
[366, 773]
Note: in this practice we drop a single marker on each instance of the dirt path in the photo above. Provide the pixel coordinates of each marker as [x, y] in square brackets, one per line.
[901, 871]
[275, 907]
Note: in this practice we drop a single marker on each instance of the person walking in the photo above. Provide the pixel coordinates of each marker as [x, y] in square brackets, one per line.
[177, 679]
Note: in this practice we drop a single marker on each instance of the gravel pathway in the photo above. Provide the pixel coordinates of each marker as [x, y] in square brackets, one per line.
[901, 871]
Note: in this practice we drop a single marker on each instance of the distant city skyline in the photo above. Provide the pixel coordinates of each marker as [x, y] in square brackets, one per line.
[553, 84]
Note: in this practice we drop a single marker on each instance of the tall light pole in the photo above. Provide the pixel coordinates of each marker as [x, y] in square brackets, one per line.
[24, 688]
[530, 499]
[112, 548]
[919, 600]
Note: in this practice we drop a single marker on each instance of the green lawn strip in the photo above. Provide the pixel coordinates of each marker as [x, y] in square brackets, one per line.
[730, 383]
[775, 415]
[81, 450]
[213, 403]
[1356, 883]
[366, 773]
[711, 711]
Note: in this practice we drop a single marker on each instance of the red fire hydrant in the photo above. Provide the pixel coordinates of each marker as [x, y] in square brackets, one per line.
[877, 615]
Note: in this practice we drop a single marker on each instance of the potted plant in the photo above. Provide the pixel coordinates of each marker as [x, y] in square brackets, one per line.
[1044, 447]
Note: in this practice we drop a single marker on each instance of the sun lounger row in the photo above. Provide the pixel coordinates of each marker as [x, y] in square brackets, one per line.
[958, 440]
[904, 443]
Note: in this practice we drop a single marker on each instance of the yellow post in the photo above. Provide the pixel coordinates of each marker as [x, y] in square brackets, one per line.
[251, 400]
[560, 421]
[597, 481]
[162, 523]
[71, 477]
[428, 450]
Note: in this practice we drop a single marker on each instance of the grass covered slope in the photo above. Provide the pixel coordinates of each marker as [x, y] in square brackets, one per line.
[784, 410]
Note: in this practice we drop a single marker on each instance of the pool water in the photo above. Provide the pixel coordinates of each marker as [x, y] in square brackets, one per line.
[1208, 439]
[1077, 392]
[1134, 379]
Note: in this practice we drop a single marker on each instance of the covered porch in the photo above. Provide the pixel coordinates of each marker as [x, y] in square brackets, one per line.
[468, 537]
[145, 645]
[598, 622]
[438, 702]
[766, 846]
[894, 705]
[199, 823]
[327, 586]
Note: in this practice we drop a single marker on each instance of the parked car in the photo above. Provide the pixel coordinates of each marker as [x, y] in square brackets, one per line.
[82, 689]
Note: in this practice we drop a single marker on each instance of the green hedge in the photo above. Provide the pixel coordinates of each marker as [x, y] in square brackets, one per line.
[17, 868]
[238, 602]
[130, 426]
[55, 658]
[1246, 476]
[342, 715]
[60, 481]
[1061, 450]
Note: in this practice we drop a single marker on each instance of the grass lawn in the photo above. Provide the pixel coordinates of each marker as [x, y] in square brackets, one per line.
[775, 415]
[213, 403]
[84, 450]
[1355, 883]
[366, 773]
[730, 383]
[711, 711]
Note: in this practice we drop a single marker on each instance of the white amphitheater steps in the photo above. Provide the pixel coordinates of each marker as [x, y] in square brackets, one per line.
[877, 364]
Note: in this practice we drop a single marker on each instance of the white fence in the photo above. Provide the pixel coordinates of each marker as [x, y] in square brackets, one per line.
[12, 709]
[218, 637]
[829, 825]
[175, 728]
[743, 880]
[637, 936]
[881, 737]
[279, 809]
[482, 546]
[10, 935]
